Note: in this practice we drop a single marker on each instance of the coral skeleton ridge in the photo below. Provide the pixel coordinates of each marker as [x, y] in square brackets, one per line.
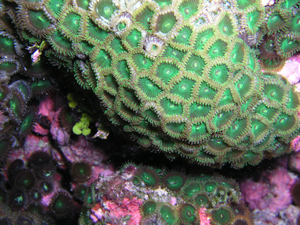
[180, 76]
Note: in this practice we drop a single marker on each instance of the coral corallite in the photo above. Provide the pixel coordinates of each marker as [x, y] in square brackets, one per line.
[176, 74]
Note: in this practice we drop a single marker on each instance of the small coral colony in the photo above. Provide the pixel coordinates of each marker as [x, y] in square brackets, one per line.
[145, 112]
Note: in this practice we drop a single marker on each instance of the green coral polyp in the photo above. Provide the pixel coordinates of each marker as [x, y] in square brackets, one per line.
[171, 108]
[71, 23]
[166, 72]
[218, 49]
[183, 88]
[168, 214]
[273, 92]
[226, 26]
[174, 182]
[165, 23]
[219, 73]
[202, 38]
[195, 64]
[188, 8]
[105, 8]
[192, 189]
[187, 213]
[222, 216]
[149, 207]
[145, 18]
[183, 36]
[149, 177]
[149, 88]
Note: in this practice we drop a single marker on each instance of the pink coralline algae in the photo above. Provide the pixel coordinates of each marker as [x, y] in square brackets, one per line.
[128, 210]
[46, 108]
[291, 70]
[272, 193]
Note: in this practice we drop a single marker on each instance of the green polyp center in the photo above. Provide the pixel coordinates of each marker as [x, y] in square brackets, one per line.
[285, 122]
[237, 128]
[273, 92]
[222, 118]
[25, 180]
[84, 4]
[134, 38]
[40, 86]
[60, 205]
[175, 127]
[192, 189]
[142, 62]
[295, 23]
[221, 216]
[81, 171]
[210, 186]
[174, 182]
[202, 38]
[217, 49]
[166, 22]
[225, 26]
[188, 8]
[123, 69]
[171, 108]
[103, 59]
[149, 207]
[166, 72]
[201, 199]
[206, 91]
[149, 88]
[237, 55]
[288, 45]
[253, 19]
[275, 21]
[184, 35]
[187, 213]
[243, 85]
[168, 214]
[72, 22]
[6, 45]
[55, 6]
[199, 110]
[258, 127]
[27, 122]
[38, 19]
[15, 105]
[219, 73]
[145, 17]
[183, 88]
[195, 64]
[105, 8]
[149, 178]
[265, 111]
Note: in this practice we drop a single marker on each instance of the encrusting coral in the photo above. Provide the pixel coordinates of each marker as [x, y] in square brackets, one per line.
[144, 195]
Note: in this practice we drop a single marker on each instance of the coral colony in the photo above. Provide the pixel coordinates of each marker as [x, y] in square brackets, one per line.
[151, 112]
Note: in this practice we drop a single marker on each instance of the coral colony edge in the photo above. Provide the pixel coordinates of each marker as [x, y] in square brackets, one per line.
[151, 112]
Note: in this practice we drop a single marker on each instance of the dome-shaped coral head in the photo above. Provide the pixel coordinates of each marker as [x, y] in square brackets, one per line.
[178, 75]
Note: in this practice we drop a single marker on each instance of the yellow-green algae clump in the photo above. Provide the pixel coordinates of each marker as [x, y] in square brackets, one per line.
[175, 74]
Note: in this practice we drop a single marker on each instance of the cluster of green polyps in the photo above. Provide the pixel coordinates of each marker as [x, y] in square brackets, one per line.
[280, 34]
[168, 198]
[175, 74]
